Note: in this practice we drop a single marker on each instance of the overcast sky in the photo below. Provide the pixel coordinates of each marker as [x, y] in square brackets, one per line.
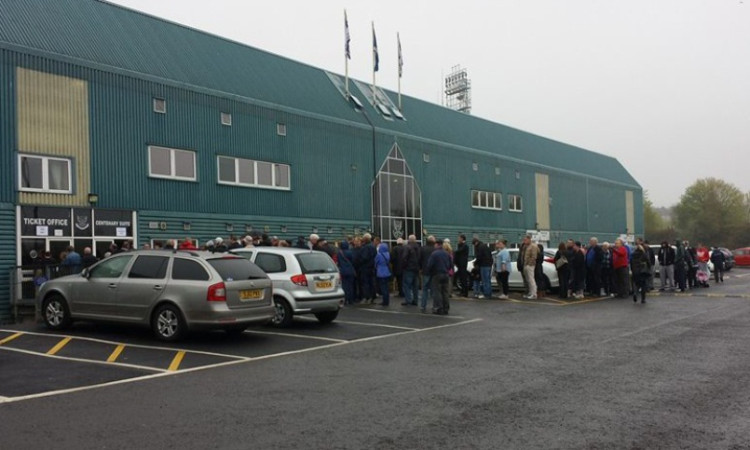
[661, 85]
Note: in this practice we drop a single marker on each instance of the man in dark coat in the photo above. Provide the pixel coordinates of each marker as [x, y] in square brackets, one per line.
[424, 256]
[461, 259]
[438, 266]
[410, 265]
[366, 272]
[397, 253]
[594, 268]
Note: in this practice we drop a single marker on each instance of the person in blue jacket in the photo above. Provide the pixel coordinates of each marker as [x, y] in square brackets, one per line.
[345, 262]
[383, 272]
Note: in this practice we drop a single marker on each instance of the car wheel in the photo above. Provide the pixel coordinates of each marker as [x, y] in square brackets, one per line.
[284, 313]
[56, 313]
[168, 324]
[327, 316]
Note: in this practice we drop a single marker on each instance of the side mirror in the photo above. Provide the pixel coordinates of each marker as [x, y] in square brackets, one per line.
[85, 273]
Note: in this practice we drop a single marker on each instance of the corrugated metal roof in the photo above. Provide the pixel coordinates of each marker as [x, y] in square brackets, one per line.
[111, 36]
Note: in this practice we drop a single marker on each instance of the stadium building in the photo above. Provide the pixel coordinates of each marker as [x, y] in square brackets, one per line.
[117, 125]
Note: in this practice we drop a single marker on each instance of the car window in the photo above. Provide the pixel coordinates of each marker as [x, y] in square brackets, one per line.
[231, 269]
[187, 269]
[151, 267]
[514, 256]
[271, 263]
[244, 254]
[110, 268]
[316, 262]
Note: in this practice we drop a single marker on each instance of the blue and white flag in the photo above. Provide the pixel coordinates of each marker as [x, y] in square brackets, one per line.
[347, 37]
[400, 57]
[375, 57]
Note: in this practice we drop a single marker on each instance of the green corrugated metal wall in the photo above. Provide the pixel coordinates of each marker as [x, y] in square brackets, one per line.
[7, 257]
[113, 38]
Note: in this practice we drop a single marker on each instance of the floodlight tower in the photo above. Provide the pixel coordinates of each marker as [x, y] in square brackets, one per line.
[458, 90]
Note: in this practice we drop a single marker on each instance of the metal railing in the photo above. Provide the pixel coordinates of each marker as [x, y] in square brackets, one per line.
[25, 281]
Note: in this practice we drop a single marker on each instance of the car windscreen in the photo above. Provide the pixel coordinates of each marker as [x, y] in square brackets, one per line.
[232, 269]
[316, 262]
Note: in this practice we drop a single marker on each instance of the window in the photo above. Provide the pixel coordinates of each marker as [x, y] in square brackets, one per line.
[426, 157]
[185, 269]
[226, 119]
[281, 129]
[160, 105]
[231, 269]
[171, 163]
[44, 174]
[515, 203]
[316, 262]
[149, 267]
[271, 263]
[486, 200]
[246, 172]
[111, 268]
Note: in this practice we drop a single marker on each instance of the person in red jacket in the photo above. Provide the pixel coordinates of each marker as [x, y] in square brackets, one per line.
[620, 267]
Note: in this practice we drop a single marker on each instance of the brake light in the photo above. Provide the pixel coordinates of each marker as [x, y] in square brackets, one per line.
[299, 280]
[217, 293]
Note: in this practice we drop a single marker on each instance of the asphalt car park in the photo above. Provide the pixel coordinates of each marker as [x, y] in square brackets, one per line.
[39, 362]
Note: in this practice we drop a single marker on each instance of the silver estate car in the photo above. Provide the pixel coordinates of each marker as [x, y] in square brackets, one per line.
[173, 292]
[304, 282]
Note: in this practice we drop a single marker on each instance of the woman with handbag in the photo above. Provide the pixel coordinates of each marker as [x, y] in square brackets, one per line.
[563, 270]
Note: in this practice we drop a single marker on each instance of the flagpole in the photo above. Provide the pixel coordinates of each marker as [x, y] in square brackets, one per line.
[374, 61]
[346, 53]
[400, 62]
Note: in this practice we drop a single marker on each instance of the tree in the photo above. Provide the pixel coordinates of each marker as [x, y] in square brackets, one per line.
[653, 222]
[711, 211]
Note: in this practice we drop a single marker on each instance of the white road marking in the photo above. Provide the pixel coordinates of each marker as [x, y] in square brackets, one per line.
[302, 336]
[366, 324]
[227, 363]
[385, 311]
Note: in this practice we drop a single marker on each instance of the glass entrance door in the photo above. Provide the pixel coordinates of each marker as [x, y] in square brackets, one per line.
[396, 200]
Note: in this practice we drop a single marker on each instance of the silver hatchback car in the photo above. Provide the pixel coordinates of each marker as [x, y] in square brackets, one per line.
[304, 282]
[173, 292]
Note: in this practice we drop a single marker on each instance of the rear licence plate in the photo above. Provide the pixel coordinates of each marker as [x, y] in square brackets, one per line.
[251, 294]
[324, 284]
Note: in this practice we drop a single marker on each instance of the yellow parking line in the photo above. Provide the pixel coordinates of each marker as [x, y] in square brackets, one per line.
[116, 353]
[10, 338]
[176, 361]
[59, 346]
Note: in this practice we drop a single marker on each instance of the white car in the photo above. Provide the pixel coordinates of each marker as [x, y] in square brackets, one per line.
[304, 282]
[515, 280]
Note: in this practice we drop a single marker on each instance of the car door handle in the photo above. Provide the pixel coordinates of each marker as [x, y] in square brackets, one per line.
[158, 287]
[112, 286]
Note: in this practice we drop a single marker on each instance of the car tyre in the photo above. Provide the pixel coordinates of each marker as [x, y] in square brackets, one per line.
[327, 316]
[56, 313]
[168, 324]
[284, 314]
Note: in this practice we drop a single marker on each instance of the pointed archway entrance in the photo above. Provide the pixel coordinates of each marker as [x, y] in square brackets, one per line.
[396, 200]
